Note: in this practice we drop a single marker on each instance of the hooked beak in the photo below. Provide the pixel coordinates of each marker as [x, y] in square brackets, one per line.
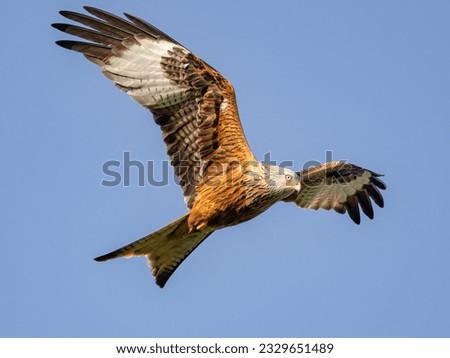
[298, 186]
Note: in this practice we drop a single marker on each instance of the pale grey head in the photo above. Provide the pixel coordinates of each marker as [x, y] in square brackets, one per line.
[277, 181]
[282, 181]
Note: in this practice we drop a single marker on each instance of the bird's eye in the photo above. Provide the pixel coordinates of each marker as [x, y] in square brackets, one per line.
[288, 177]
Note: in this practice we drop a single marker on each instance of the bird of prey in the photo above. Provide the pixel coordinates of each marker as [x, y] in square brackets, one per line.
[195, 106]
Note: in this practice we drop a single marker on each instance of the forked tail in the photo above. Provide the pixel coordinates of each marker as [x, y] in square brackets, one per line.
[165, 249]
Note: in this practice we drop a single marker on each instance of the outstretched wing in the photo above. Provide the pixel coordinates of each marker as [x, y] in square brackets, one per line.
[340, 186]
[194, 105]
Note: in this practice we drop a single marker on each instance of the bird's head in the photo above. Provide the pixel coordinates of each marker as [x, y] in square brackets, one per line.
[282, 180]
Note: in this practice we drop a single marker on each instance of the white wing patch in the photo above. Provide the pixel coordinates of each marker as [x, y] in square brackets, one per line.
[136, 70]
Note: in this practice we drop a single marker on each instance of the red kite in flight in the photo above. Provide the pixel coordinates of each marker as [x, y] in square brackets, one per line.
[195, 106]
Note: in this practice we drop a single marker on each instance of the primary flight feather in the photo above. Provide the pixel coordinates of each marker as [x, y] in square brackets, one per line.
[195, 106]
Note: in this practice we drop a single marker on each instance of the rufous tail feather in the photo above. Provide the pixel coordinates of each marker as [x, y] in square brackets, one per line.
[165, 249]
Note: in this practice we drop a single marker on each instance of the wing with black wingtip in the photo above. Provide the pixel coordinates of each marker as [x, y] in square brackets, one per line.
[341, 186]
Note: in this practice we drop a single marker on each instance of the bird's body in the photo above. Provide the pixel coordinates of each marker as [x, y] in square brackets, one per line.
[223, 183]
[239, 193]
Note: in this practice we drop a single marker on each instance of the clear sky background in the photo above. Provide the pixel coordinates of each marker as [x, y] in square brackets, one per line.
[369, 80]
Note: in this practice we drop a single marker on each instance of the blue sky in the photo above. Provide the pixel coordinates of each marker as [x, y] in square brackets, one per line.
[369, 81]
